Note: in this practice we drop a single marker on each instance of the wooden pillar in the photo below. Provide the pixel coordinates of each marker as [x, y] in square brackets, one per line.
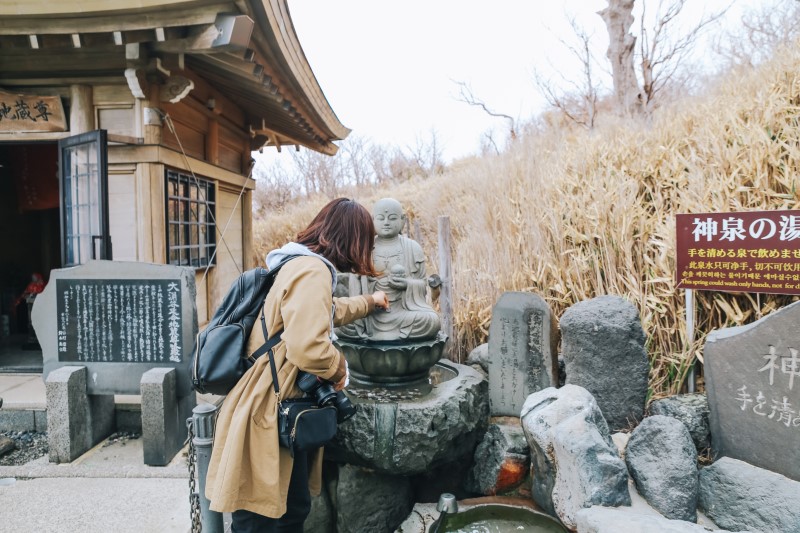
[158, 222]
[152, 117]
[247, 157]
[446, 296]
[248, 261]
[81, 109]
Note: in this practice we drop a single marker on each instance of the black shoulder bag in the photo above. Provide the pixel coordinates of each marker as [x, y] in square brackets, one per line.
[302, 424]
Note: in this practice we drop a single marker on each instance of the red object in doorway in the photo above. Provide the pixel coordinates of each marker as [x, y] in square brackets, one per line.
[35, 171]
[36, 286]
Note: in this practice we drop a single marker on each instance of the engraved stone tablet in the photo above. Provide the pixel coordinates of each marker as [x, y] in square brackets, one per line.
[521, 359]
[119, 319]
[753, 382]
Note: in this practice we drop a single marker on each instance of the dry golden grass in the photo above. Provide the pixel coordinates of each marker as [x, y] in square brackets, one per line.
[572, 215]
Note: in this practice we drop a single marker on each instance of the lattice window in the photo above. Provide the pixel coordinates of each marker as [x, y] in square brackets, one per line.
[191, 232]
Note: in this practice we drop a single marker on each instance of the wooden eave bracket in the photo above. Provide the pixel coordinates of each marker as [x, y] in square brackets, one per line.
[228, 33]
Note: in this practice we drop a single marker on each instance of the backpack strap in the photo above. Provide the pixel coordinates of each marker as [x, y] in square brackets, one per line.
[270, 342]
[267, 348]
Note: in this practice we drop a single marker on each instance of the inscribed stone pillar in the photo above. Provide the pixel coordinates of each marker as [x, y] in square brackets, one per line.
[752, 378]
[522, 359]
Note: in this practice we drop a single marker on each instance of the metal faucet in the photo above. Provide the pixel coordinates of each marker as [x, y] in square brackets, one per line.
[447, 505]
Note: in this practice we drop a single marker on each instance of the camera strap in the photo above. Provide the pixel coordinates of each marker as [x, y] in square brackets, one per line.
[267, 348]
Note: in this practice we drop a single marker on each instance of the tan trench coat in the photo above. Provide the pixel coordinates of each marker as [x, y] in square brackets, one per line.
[248, 469]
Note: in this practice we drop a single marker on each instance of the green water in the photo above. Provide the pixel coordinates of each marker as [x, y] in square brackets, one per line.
[500, 519]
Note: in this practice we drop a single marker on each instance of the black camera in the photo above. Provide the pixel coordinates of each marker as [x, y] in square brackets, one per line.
[322, 391]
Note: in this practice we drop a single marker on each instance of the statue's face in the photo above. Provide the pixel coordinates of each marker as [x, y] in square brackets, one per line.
[388, 218]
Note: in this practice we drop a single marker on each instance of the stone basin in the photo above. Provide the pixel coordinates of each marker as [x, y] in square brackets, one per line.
[391, 364]
[409, 430]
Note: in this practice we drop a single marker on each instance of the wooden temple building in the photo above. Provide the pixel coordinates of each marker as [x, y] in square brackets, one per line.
[127, 129]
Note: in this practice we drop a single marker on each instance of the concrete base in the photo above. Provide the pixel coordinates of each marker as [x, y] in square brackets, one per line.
[164, 416]
[76, 421]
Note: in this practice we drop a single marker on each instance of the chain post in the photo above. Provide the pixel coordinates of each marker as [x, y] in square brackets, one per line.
[201, 437]
[194, 497]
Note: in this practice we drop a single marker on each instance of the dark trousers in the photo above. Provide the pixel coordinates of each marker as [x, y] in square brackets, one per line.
[298, 505]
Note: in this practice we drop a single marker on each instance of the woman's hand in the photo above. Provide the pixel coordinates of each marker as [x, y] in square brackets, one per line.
[345, 381]
[381, 300]
[339, 385]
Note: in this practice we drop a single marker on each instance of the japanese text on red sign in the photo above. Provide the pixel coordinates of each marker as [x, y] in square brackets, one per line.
[756, 251]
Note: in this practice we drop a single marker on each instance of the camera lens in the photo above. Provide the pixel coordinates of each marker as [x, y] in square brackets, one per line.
[345, 409]
[307, 382]
[325, 394]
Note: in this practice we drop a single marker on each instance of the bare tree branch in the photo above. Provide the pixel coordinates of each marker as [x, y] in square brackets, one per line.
[466, 95]
[580, 103]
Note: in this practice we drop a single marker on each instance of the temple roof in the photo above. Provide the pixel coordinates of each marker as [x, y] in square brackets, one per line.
[247, 50]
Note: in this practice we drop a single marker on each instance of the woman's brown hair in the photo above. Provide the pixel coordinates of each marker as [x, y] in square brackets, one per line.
[344, 234]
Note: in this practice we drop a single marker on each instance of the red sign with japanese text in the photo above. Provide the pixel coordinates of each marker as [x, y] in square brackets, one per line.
[752, 251]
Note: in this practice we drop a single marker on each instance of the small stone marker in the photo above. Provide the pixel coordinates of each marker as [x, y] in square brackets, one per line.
[752, 377]
[521, 356]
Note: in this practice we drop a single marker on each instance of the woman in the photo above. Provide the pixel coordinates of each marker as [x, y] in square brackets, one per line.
[250, 475]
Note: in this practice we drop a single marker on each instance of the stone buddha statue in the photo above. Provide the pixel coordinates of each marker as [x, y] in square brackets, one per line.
[402, 262]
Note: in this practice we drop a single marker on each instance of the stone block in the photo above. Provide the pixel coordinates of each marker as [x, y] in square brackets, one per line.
[129, 417]
[662, 460]
[370, 501]
[164, 416]
[739, 496]
[692, 410]
[602, 343]
[321, 518]
[574, 462]
[75, 420]
[40, 420]
[522, 358]
[599, 519]
[754, 407]
[17, 420]
[480, 356]
[502, 460]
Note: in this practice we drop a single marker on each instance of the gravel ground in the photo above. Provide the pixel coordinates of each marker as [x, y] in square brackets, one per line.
[30, 445]
[121, 437]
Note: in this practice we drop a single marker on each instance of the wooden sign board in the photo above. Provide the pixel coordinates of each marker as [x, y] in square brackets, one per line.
[31, 113]
[751, 251]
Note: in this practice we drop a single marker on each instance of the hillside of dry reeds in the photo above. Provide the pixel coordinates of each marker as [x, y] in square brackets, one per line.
[572, 214]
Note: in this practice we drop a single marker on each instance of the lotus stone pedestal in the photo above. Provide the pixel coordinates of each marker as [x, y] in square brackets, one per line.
[392, 364]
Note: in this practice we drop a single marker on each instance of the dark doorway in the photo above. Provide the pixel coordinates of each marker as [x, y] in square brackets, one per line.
[31, 245]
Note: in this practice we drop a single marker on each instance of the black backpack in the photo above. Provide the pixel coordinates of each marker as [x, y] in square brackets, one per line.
[220, 355]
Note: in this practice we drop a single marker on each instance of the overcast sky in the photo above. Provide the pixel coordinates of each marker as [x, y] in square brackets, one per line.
[389, 68]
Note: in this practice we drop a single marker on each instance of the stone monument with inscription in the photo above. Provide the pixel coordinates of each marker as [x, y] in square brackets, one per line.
[522, 355]
[752, 377]
[109, 328]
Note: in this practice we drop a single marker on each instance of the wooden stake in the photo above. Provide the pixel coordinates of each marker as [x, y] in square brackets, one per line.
[446, 297]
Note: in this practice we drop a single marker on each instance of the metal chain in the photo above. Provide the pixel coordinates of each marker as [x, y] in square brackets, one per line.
[194, 497]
